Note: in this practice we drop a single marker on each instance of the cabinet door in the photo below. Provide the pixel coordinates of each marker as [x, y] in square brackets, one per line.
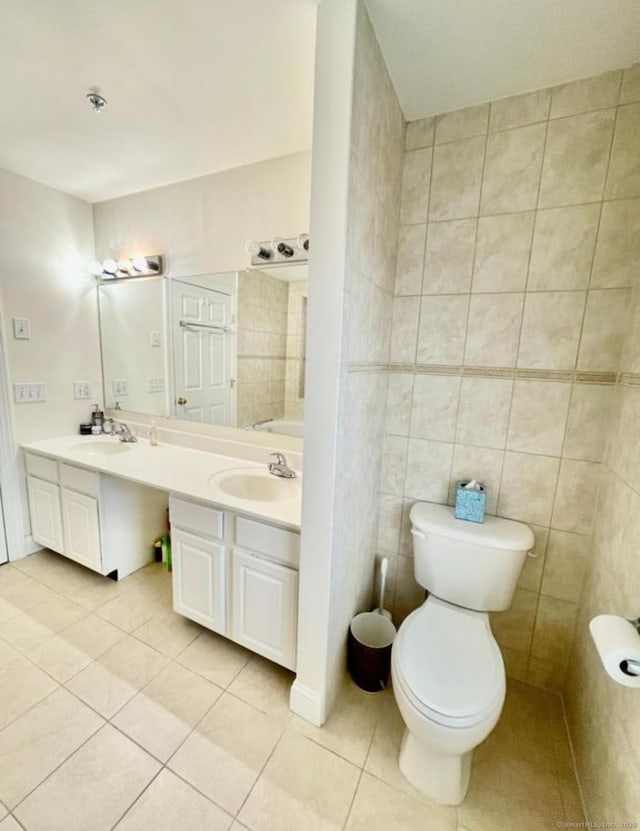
[264, 607]
[44, 509]
[81, 529]
[199, 579]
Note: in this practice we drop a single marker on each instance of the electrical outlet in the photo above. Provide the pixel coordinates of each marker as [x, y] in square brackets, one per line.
[155, 384]
[21, 328]
[154, 337]
[120, 387]
[81, 389]
[30, 393]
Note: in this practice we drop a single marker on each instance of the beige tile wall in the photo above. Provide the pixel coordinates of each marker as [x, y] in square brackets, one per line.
[604, 718]
[297, 295]
[519, 235]
[262, 346]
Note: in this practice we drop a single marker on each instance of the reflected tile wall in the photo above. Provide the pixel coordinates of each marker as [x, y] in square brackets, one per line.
[262, 347]
[519, 239]
[298, 292]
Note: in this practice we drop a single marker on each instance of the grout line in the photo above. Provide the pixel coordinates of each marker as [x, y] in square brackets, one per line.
[137, 799]
[520, 331]
[489, 215]
[259, 775]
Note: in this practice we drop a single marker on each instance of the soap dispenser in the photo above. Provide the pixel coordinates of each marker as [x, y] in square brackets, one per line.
[153, 434]
[97, 417]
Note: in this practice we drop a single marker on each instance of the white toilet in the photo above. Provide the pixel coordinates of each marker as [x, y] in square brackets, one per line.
[447, 670]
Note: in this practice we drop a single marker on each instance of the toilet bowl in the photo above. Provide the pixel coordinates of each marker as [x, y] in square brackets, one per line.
[449, 684]
[447, 670]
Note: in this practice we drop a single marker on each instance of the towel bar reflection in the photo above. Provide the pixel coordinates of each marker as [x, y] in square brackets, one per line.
[188, 324]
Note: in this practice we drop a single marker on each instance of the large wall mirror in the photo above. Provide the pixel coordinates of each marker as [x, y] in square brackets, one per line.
[224, 349]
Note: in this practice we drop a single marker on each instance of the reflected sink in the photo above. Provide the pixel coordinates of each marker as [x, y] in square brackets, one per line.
[256, 485]
[107, 447]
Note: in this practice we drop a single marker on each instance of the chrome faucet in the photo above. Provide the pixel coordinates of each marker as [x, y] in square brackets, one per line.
[281, 468]
[123, 430]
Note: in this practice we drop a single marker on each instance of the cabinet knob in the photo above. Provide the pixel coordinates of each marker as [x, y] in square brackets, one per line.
[181, 401]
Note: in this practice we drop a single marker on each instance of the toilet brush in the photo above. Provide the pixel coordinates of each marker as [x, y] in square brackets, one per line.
[384, 567]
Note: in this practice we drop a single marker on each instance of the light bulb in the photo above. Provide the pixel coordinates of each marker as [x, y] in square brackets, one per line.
[110, 266]
[139, 263]
[257, 250]
[124, 267]
[282, 247]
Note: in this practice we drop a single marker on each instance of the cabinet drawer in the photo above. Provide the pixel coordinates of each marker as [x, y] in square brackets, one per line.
[42, 467]
[265, 539]
[84, 481]
[197, 518]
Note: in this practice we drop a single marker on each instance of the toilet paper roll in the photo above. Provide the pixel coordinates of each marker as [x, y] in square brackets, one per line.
[617, 641]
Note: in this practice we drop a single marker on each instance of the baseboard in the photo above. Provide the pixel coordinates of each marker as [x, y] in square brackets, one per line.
[30, 547]
[308, 704]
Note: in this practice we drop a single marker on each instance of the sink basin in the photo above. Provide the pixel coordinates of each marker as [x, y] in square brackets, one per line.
[101, 448]
[256, 486]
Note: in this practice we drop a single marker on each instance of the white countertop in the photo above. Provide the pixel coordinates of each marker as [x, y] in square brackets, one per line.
[170, 468]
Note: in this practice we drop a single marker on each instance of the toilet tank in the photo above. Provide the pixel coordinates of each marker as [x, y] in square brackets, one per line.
[474, 565]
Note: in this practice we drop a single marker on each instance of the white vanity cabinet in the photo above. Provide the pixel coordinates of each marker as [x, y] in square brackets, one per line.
[198, 563]
[264, 607]
[237, 576]
[106, 524]
[46, 514]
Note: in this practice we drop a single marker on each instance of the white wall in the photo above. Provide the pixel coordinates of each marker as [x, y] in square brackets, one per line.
[330, 177]
[202, 225]
[46, 241]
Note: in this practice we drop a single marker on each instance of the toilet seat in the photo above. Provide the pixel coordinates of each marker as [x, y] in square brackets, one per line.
[449, 665]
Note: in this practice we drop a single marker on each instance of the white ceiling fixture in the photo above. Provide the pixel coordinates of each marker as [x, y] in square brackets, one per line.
[194, 87]
[443, 55]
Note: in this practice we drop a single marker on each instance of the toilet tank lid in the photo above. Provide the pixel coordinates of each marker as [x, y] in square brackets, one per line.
[494, 532]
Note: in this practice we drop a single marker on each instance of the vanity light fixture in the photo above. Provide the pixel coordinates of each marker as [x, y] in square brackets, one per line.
[150, 265]
[279, 251]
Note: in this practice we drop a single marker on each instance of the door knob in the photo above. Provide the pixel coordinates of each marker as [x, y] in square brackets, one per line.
[181, 401]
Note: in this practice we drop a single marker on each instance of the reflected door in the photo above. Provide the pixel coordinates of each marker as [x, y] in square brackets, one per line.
[203, 354]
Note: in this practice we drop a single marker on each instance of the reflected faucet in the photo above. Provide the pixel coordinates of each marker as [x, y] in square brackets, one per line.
[124, 431]
[257, 424]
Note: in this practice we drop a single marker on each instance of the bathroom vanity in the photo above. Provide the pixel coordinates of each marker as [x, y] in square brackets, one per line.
[101, 522]
[236, 576]
[234, 529]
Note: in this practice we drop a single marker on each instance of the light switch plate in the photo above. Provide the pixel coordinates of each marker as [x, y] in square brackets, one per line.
[155, 384]
[81, 389]
[21, 328]
[30, 393]
[154, 337]
[120, 387]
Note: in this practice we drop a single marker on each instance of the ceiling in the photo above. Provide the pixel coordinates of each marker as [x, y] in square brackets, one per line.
[199, 86]
[194, 87]
[446, 54]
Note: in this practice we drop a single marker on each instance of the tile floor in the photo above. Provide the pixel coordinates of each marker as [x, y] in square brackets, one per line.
[117, 713]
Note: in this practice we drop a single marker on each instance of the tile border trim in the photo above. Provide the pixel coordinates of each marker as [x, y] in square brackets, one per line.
[509, 373]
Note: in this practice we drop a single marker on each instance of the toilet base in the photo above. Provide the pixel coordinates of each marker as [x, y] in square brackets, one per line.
[442, 778]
